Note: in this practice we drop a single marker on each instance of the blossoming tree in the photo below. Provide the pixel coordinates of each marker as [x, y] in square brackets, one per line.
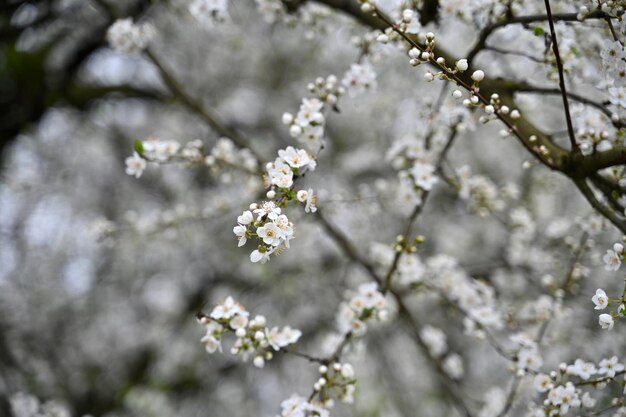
[421, 202]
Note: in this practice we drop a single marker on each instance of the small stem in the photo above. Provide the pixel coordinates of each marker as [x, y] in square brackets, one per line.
[559, 66]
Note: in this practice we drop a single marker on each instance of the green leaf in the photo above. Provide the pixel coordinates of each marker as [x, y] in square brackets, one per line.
[538, 31]
[139, 147]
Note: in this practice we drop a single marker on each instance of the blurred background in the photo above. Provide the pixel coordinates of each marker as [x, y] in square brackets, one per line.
[101, 273]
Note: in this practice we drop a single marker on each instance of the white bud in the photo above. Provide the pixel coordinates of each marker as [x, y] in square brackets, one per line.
[271, 194]
[441, 61]
[618, 247]
[295, 131]
[260, 320]
[287, 118]
[425, 56]
[366, 8]
[504, 110]
[429, 76]
[407, 15]
[478, 76]
[382, 38]
[489, 109]
[240, 332]
[474, 99]
[323, 369]
[462, 65]
[259, 362]
[515, 114]
[259, 335]
[457, 94]
[414, 53]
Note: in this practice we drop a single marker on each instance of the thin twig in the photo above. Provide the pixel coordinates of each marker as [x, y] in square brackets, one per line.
[559, 66]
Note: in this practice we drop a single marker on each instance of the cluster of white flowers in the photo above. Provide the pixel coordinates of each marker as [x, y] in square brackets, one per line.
[495, 107]
[480, 191]
[475, 298]
[327, 90]
[26, 405]
[417, 174]
[602, 301]
[367, 303]
[613, 57]
[207, 10]
[308, 125]
[128, 37]
[297, 406]
[224, 153]
[442, 274]
[589, 137]
[562, 395]
[359, 79]
[253, 338]
[528, 356]
[289, 164]
[424, 175]
[337, 381]
[271, 227]
[610, 7]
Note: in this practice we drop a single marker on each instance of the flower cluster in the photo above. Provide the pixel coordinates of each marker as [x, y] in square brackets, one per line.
[602, 301]
[482, 194]
[253, 338]
[271, 227]
[327, 90]
[475, 298]
[158, 151]
[307, 126]
[128, 37]
[297, 406]
[367, 303]
[290, 164]
[528, 356]
[563, 395]
[337, 381]
[359, 79]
